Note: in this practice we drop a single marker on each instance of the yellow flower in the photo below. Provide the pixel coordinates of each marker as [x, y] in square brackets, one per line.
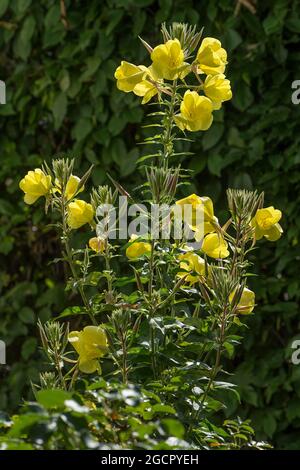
[191, 263]
[35, 184]
[97, 244]
[129, 75]
[168, 60]
[79, 213]
[246, 303]
[199, 204]
[146, 89]
[265, 224]
[195, 112]
[217, 88]
[136, 249]
[212, 58]
[90, 344]
[71, 187]
[215, 246]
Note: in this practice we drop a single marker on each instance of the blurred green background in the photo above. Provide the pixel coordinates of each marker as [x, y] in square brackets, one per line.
[57, 59]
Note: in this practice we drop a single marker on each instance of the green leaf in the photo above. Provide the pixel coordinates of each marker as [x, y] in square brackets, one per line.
[174, 427]
[3, 6]
[64, 81]
[26, 315]
[28, 348]
[59, 109]
[215, 164]
[82, 129]
[72, 311]
[242, 96]
[160, 408]
[212, 136]
[22, 46]
[53, 398]
[21, 6]
[269, 424]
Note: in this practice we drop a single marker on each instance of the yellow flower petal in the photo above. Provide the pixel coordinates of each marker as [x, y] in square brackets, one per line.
[30, 199]
[201, 210]
[191, 263]
[35, 184]
[89, 366]
[129, 75]
[79, 213]
[267, 217]
[72, 187]
[246, 303]
[195, 112]
[168, 60]
[90, 344]
[217, 88]
[274, 233]
[136, 249]
[97, 244]
[215, 246]
[145, 89]
[212, 58]
[265, 224]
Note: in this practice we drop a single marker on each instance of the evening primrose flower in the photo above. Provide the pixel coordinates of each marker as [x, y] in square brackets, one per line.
[201, 208]
[129, 75]
[265, 224]
[71, 187]
[90, 344]
[79, 213]
[246, 303]
[146, 89]
[168, 60]
[191, 263]
[195, 112]
[211, 57]
[136, 249]
[215, 246]
[149, 86]
[35, 184]
[217, 88]
[97, 244]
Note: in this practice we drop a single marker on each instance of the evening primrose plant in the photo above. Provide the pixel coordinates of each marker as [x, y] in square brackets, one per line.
[158, 311]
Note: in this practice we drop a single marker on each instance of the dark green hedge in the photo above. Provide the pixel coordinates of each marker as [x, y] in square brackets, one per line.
[58, 67]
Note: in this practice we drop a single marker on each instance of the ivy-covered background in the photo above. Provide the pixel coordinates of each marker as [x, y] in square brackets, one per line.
[58, 59]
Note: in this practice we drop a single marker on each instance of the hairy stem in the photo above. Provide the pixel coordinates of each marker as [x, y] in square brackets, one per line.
[70, 260]
[150, 292]
[124, 358]
[168, 123]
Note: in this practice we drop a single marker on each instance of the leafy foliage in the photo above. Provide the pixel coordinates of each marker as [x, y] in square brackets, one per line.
[104, 417]
[58, 71]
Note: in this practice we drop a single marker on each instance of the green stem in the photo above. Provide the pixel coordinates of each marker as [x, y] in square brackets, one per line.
[151, 271]
[168, 122]
[58, 368]
[238, 256]
[218, 356]
[124, 359]
[215, 367]
[69, 258]
[74, 377]
[151, 310]
[153, 350]
[239, 248]
[108, 268]
[167, 142]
